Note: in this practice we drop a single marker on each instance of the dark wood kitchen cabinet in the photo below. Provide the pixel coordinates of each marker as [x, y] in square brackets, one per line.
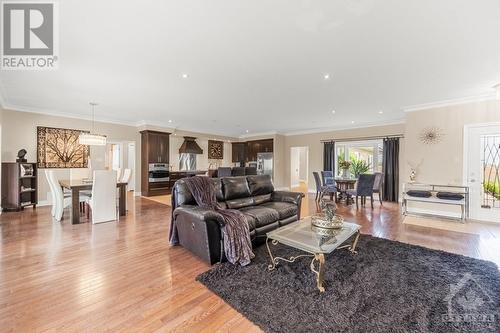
[154, 149]
[258, 146]
[239, 152]
[156, 146]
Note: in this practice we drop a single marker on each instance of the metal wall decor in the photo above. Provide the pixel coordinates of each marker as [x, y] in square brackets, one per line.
[215, 150]
[59, 148]
[431, 135]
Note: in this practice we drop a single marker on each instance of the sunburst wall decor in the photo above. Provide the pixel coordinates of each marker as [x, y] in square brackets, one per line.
[431, 135]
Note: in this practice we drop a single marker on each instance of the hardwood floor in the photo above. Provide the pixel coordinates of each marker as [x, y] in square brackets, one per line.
[123, 276]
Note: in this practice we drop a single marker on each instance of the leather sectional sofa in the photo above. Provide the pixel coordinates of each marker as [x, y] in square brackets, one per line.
[199, 229]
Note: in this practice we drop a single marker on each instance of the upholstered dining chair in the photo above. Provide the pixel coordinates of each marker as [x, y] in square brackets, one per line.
[364, 188]
[60, 200]
[118, 174]
[327, 178]
[238, 171]
[127, 173]
[223, 172]
[103, 201]
[250, 171]
[321, 190]
[377, 185]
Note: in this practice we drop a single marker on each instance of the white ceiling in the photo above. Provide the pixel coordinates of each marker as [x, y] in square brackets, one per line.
[259, 65]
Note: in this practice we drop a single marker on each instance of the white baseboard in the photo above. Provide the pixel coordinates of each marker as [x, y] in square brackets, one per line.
[137, 194]
[44, 203]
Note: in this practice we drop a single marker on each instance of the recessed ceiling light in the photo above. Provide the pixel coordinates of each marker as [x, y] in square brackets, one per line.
[326, 76]
[352, 121]
[247, 131]
[170, 120]
[333, 111]
[185, 75]
[380, 112]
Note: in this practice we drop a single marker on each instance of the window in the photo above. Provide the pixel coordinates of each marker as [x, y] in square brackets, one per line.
[365, 156]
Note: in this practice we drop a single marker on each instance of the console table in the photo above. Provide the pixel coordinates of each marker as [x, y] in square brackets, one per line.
[434, 188]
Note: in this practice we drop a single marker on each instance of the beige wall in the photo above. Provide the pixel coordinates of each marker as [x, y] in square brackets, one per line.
[443, 162]
[313, 141]
[19, 131]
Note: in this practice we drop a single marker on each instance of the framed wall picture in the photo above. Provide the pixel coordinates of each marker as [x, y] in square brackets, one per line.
[59, 148]
[215, 150]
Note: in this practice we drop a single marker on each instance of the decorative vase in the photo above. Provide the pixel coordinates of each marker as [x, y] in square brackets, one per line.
[345, 173]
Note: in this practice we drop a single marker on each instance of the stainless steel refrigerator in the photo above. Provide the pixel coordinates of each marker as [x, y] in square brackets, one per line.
[265, 164]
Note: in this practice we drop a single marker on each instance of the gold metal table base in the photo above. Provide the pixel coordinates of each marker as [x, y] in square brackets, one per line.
[319, 257]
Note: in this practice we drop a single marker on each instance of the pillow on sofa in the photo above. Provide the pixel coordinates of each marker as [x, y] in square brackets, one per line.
[261, 184]
[235, 188]
[419, 194]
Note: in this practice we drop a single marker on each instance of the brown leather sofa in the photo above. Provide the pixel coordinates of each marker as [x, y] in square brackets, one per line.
[199, 229]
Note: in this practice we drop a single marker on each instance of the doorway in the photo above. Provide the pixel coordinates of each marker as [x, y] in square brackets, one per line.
[482, 170]
[299, 164]
[131, 165]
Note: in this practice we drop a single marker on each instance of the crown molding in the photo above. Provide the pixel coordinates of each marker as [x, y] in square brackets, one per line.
[253, 135]
[16, 108]
[334, 129]
[450, 102]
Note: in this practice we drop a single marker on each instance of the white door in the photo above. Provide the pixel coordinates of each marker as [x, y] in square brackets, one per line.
[483, 171]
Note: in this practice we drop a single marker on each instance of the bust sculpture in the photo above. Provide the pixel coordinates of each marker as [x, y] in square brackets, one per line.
[20, 155]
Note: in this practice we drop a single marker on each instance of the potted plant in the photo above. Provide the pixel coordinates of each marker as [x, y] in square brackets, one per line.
[344, 166]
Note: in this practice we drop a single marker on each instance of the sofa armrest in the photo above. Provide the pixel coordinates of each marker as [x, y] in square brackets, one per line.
[286, 196]
[199, 214]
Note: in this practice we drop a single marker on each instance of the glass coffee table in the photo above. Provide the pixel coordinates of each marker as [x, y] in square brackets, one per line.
[317, 242]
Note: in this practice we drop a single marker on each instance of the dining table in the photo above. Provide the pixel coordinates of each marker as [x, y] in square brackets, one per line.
[343, 184]
[75, 186]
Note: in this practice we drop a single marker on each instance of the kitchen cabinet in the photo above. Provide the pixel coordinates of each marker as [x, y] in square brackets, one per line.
[258, 146]
[154, 149]
[239, 151]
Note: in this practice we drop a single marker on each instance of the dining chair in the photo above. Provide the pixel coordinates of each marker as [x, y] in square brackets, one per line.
[377, 185]
[60, 200]
[103, 201]
[322, 190]
[327, 178]
[238, 171]
[223, 172]
[127, 173]
[364, 188]
[118, 174]
[250, 171]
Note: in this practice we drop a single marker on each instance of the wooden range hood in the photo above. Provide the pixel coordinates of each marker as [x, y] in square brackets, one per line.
[189, 146]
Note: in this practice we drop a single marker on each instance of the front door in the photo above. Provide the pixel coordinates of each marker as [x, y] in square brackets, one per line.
[483, 172]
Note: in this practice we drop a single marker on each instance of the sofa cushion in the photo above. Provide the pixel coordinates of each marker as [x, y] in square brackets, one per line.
[262, 215]
[183, 194]
[251, 222]
[235, 188]
[261, 184]
[240, 203]
[260, 199]
[218, 188]
[284, 209]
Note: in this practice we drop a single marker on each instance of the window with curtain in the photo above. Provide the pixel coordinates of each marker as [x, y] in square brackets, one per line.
[368, 154]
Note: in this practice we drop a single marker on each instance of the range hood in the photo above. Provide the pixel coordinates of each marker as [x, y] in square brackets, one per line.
[189, 146]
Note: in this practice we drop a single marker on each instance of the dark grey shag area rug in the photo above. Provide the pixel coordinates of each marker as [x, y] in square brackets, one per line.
[387, 286]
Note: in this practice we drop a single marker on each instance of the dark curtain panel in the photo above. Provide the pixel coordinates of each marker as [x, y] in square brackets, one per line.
[391, 169]
[329, 157]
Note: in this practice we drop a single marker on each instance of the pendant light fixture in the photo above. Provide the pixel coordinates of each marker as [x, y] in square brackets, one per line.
[92, 139]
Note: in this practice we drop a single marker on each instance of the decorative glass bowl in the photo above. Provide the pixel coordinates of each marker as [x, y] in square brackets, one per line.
[321, 221]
